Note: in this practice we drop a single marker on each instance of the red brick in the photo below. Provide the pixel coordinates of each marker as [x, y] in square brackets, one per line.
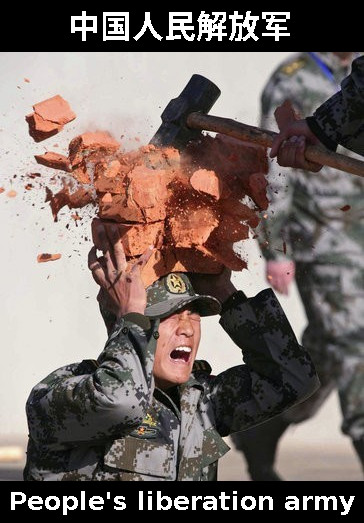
[79, 198]
[165, 261]
[192, 226]
[40, 129]
[109, 178]
[57, 201]
[256, 188]
[137, 238]
[239, 210]
[81, 174]
[54, 160]
[207, 182]
[223, 253]
[45, 257]
[226, 156]
[230, 230]
[120, 210]
[147, 189]
[91, 141]
[55, 109]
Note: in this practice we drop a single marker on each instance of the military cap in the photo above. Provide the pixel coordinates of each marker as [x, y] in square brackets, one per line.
[173, 292]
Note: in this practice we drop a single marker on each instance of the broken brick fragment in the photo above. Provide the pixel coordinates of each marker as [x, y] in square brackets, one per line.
[2, 189]
[223, 253]
[43, 126]
[159, 157]
[120, 209]
[109, 177]
[11, 194]
[135, 238]
[227, 156]
[80, 173]
[54, 160]
[168, 260]
[255, 186]
[239, 210]
[49, 117]
[88, 142]
[45, 257]
[345, 208]
[107, 198]
[193, 260]
[192, 226]
[55, 109]
[230, 229]
[40, 129]
[78, 199]
[147, 189]
[207, 182]
[57, 201]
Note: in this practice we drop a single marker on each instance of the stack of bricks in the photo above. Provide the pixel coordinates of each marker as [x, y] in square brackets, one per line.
[188, 205]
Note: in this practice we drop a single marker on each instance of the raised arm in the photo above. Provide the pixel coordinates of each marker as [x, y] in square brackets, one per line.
[278, 373]
[88, 401]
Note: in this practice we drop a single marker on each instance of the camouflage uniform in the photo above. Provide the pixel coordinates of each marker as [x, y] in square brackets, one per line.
[317, 220]
[105, 420]
[341, 118]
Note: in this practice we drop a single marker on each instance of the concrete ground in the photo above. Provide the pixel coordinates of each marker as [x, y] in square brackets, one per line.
[305, 463]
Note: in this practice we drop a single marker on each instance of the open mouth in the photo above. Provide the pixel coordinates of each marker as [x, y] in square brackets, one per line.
[182, 353]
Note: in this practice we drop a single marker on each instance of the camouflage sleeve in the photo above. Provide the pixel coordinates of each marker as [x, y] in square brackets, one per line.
[69, 407]
[272, 231]
[278, 373]
[341, 118]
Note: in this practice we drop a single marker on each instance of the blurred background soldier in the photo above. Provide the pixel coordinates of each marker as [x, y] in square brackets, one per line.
[314, 232]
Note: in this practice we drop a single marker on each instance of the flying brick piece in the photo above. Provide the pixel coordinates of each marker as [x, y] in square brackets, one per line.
[54, 160]
[49, 118]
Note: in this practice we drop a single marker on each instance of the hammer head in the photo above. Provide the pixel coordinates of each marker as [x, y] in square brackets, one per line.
[199, 95]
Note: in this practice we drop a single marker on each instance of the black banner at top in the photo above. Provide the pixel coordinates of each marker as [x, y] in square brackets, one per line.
[248, 26]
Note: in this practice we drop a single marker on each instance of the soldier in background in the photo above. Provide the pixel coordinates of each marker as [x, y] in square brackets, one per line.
[146, 410]
[339, 120]
[313, 231]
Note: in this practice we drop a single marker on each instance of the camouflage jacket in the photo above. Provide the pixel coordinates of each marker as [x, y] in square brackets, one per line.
[311, 217]
[105, 420]
[341, 118]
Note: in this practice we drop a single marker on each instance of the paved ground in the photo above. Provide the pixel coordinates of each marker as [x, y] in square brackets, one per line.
[304, 463]
[294, 464]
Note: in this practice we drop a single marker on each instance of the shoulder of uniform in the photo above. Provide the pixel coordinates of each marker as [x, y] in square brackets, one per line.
[293, 66]
[202, 366]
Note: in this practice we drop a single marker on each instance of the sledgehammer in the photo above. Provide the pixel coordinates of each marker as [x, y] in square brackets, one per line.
[186, 116]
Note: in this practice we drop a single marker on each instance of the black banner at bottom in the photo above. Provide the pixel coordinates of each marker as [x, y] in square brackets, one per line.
[78, 499]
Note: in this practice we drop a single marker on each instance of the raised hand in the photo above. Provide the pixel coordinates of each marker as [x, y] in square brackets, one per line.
[122, 289]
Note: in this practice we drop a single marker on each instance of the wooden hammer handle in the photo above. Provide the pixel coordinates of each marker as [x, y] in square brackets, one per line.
[248, 133]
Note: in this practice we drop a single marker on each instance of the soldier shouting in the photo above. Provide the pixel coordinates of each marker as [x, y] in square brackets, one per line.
[146, 409]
